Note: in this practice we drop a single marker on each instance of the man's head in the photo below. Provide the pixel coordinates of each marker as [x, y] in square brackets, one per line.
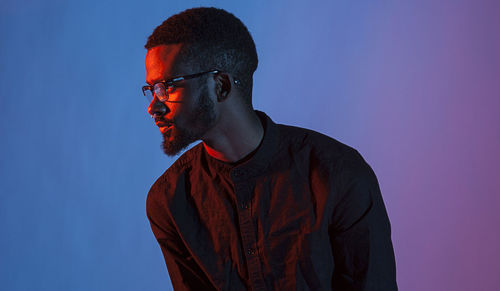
[212, 38]
[198, 40]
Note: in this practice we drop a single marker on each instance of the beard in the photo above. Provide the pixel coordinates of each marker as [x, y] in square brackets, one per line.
[200, 120]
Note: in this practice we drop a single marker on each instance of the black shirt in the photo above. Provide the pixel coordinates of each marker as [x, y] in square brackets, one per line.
[303, 213]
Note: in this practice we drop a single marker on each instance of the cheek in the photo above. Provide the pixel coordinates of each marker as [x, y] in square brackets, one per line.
[174, 107]
[180, 113]
[175, 110]
[180, 103]
[175, 96]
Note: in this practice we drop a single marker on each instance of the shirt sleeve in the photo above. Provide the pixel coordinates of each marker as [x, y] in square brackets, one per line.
[360, 231]
[184, 271]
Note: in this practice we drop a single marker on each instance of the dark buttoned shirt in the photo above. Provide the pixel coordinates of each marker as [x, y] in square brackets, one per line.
[304, 212]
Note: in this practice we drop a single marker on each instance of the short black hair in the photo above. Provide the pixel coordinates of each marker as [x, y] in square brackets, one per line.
[212, 38]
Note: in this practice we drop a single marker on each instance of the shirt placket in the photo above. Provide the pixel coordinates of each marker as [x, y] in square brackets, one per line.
[243, 191]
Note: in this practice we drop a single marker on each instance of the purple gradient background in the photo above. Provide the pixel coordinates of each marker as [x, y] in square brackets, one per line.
[413, 85]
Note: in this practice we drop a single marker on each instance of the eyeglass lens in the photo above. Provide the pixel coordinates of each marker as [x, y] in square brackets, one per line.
[160, 92]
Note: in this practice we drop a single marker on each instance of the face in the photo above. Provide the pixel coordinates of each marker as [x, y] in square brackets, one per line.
[190, 111]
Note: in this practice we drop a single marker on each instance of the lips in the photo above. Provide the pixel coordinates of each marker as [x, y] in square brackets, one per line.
[164, 129]
[164, 125]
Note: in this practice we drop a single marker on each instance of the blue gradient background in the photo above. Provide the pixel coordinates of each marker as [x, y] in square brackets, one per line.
[413, 85]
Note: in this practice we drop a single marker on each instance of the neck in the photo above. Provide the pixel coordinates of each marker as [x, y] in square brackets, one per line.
[235, 136]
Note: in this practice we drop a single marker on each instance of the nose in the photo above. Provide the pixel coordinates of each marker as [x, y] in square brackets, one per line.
[157, 108]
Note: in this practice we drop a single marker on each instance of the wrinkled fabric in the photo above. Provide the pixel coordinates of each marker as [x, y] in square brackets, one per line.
[304, 212]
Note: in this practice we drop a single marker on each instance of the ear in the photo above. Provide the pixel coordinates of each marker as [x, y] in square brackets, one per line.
[222, 86]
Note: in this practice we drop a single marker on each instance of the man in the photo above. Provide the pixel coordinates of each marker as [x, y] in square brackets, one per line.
[256, 205]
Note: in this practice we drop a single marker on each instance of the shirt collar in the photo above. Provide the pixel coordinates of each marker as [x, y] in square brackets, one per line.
[260, 159]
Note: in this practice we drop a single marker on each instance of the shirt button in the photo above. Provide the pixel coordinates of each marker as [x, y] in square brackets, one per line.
[251, 251]
[244, 206]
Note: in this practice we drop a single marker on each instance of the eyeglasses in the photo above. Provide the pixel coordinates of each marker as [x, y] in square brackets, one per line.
[162, 89]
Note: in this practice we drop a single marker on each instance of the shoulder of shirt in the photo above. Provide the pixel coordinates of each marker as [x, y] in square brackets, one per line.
[307, 139]
[327, 152]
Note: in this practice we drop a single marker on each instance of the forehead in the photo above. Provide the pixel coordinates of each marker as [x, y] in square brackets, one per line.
[163, 62]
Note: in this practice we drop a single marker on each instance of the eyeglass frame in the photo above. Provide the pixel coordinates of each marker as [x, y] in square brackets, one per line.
[170, 83]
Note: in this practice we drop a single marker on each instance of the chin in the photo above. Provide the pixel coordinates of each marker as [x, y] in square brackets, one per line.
[175, 142]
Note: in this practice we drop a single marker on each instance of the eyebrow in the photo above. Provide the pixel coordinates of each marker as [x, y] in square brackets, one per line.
[150, 83]
[175, 78]
[154, 81]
